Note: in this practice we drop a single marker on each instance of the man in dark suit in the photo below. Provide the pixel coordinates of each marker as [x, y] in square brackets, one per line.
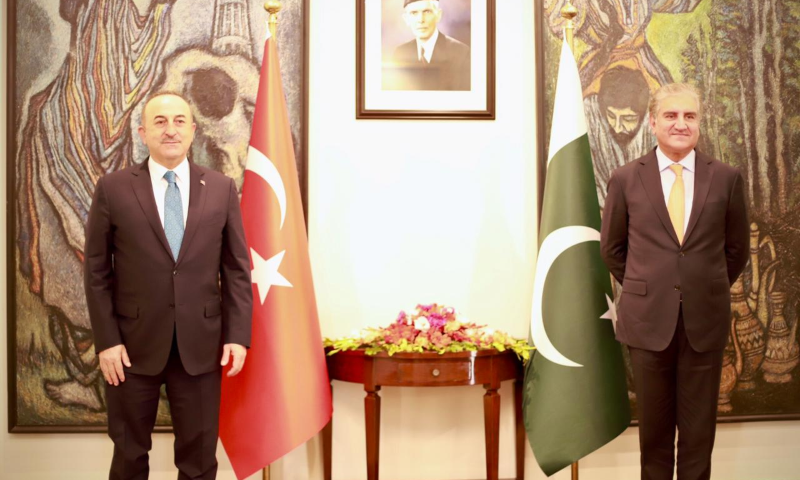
[167, 279]
[675, 234]
[432, 61]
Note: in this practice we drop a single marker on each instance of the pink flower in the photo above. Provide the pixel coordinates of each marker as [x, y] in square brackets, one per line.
[436, 320]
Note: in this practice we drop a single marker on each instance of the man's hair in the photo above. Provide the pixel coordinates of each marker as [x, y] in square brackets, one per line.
[674, 89]
[624, 87]
[160, 93]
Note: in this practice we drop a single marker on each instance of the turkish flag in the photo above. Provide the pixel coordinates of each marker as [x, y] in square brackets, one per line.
[282, 397]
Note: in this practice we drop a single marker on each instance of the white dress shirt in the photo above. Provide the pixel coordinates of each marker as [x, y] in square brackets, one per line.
[160, 185]
[427, 47]
[668, 178]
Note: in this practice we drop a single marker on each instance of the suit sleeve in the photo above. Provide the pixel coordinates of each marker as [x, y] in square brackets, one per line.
[614, 230]
[237, 289]
[737, 230]
[462, 70]
[98, 272]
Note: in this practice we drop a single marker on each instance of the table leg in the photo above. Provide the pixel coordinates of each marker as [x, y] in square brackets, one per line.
[327, 444]
[519, 427]
[372, 414]
[491, 422]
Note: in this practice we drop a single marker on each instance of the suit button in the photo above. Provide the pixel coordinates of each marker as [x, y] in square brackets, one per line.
[171, 305]
[681, 254]
[678, 288]
[174, 272]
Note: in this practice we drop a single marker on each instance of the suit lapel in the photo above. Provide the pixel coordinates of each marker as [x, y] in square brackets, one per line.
[197, 201]
[651, 180]
[143, 188]
[702, 183]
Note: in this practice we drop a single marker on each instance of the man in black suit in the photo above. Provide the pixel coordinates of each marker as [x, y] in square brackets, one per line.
[168, 288]
[675, 234]
[432, 61]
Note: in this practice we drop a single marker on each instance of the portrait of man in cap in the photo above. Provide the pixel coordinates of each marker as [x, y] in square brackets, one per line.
[431, 60]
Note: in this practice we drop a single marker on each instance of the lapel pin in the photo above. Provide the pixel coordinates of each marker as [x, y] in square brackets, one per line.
[202, 182]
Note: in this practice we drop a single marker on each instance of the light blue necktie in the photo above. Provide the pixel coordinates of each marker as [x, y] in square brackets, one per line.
[173, 214]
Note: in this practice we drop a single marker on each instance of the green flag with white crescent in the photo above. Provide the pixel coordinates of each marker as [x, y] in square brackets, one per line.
[575, 396]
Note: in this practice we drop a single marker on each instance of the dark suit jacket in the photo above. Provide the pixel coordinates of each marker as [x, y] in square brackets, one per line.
[449, 68]
[138, 295]
[642, 251]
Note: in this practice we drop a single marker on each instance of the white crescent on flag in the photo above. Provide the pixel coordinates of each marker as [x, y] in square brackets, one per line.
[262, 166]
[553, 246]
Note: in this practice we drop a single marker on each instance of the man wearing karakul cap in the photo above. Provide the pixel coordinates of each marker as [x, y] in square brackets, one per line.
[432, 60]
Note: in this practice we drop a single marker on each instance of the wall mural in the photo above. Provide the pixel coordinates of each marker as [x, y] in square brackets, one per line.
[744, 56]
[82, 69]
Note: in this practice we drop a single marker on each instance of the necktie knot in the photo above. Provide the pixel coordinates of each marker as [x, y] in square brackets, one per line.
[170, 177]
[678, 169]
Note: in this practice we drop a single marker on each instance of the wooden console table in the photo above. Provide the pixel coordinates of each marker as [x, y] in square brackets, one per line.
[486, 367]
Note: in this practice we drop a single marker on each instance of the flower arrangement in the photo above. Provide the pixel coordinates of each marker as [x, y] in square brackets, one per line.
[430, 328]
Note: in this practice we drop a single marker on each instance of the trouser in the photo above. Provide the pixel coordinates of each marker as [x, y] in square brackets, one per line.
[676, 388]
[194, 406]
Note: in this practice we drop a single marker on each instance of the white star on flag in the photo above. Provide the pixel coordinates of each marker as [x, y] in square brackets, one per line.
[611, 314]
[265, 273]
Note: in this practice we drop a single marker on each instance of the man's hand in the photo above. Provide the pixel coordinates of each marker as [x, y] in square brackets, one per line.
[238, 352]
[111, 361]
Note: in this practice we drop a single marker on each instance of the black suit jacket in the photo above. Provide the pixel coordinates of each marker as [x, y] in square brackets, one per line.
[449, 68]
[138, 294]
[659, 275]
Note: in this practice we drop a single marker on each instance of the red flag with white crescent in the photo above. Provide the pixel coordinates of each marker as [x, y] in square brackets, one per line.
[282, 396]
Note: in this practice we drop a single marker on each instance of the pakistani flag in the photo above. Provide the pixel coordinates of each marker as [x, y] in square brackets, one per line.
[575, 397]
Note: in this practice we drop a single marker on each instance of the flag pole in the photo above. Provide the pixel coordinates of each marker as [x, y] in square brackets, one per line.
[272, 7]
[568, 12]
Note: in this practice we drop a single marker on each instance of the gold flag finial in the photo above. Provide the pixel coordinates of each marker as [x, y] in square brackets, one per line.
[273, 7]
[569, 12]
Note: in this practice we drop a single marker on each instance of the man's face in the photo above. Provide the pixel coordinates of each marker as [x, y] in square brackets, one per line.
[677, 125]
[422, 18]
[624, 123]
[167, 129]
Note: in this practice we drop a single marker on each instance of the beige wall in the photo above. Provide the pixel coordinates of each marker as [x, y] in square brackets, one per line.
[373, 255]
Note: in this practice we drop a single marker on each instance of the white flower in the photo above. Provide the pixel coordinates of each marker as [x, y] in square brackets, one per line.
[422, 324]
[486, 332]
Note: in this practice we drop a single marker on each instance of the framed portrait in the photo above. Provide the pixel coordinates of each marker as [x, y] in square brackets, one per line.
[74, 103]
[425, 59]
[626, 49]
